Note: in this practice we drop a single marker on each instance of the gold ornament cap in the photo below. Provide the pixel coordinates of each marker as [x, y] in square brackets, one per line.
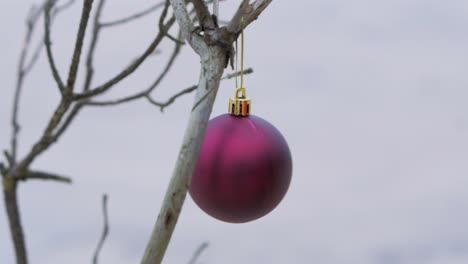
[239, 105]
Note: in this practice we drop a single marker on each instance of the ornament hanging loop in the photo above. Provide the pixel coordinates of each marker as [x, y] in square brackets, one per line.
[242, 93]
[239, 105]
[242, 52]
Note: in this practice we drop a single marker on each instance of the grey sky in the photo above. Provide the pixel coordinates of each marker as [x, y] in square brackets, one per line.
[371, 96]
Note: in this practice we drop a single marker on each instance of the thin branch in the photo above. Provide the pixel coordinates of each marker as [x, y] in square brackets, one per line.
[188, 90]
[75, 62]
[22, 71]
[34, 58]
[37, 51]
[67, 121]
[64, 6]
[129, 70]
[48, 45]
[134, 16]
[198, 253]
[10, 181]
[105, 230]
[92, 47]
[174, 39]
[14, 219]
[40, 175]
[90, 71]
[161, 105]
[142, 94]
[47, 137]
[250, 12]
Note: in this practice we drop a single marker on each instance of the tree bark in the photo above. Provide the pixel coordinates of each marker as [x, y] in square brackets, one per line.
[212, 67]
[213, 48]
[11, 203]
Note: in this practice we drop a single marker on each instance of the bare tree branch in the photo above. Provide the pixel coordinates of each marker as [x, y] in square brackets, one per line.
[47, 137]
[188, 90]
[62, 116]
[22, 71]
[40, 45]
[130, 69]
[134, 16]
[40, 175]
[105, 230]
[147, 95]
[11, 175]
[75, 62]
[48, 45]
[34, 58]
[67, 121]
[198, 253]
[92, 47]
[89, 72]
[64, 6]
[250, 12]
[147, 91]
[187, 27]
[214, 58]
[14, 218]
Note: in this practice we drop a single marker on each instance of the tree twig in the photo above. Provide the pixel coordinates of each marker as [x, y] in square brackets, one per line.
[40, 175]
[47, 137]
[22, 71]
[187, 27]
[132, 17]
[11, 175]
[92, 47]
[198, 253]
[161, 105]
[67, 121]
[250, 12]
[48, 46]
[105, 230]
[75, 61]
[130, 69]
[37, 51]
[147, 91]
[188, 90]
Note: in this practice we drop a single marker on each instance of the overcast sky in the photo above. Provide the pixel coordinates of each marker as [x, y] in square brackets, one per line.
[370, 95]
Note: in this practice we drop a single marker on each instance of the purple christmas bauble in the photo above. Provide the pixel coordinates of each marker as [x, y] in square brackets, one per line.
[243, 171]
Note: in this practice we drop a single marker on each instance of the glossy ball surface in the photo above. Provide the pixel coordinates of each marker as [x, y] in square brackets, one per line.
[243, 171]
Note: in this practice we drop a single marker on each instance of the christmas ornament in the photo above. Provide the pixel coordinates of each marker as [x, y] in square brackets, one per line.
[244, 166]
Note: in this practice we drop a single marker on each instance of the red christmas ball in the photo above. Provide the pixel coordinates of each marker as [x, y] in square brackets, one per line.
[243, 171]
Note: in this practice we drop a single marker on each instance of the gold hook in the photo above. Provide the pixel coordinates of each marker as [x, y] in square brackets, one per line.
[239, 105]
[242, 52]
